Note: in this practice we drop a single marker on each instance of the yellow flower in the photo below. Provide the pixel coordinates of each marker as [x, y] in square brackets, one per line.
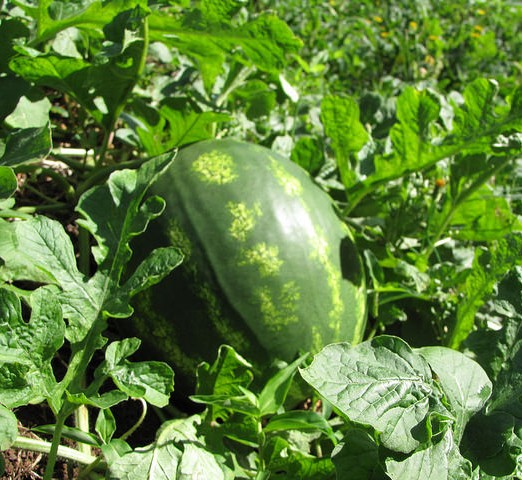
[433, 37]
[429, 60]
[481, 11]
[413, 25]
[378, 19]
[385, 34]
[479, 28]
[475, 35]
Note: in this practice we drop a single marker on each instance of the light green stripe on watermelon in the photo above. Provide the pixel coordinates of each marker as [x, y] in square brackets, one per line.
[264, 257]
[244, 219]
[278, 316]
[218, 318]
[150, 325]
[291, 185]
[321, 252]
[215, 167]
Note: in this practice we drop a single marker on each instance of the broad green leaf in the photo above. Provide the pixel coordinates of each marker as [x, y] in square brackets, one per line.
[8, 428]
[309, 154]
[28, 348]
[55, 16]
[265, 41]
[153, 381]
[256, 98]
[246, 404]
[299, 420]
[478, 122]
[492, 442]
[11, 30]
[30, 114]
[224, 377]
[177, 122]
[436, 462]
[276, 388]
[465, 383]
[340, 117]
[357, 456]
[286, 461]
[416, 111]
[101, 401]
[489, 266]
[27, 145]
[381, 383]
[478, 108]
[220, 11]
[500, 351]
[176, 453]
[40, 250]
[8, 183]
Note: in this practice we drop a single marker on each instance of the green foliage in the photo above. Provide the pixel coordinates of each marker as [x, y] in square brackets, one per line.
[407, 113]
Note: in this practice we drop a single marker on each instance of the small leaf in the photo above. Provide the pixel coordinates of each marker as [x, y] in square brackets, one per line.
[357, 456]
[416, 110]
[224, 377]
[489, 266]
[152, 270]
[308, 153]
[26, 372]
[8, 428]
[176, 453]
[381, 383]
[300, 420]
[30, 114]
[27, 146]
[69, 432]
[104, 400]
[153, 381]
[105, 425]
[340, 117]
[8, 183]
[276, 388]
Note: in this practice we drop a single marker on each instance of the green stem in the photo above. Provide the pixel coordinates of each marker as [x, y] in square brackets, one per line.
[42, 446]
[55, 444]
[140, 420]
[41, 195]
[56, 207]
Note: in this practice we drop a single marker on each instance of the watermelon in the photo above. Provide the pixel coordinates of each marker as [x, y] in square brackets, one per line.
[269, 267]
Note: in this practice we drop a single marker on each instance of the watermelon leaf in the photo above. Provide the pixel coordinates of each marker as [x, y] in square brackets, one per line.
[381, 383]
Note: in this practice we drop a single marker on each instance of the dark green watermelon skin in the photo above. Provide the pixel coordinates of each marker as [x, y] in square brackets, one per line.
[269, 267]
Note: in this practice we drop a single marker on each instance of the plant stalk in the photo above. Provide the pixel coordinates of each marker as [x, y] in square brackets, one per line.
[55, 444]
[42, 446]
